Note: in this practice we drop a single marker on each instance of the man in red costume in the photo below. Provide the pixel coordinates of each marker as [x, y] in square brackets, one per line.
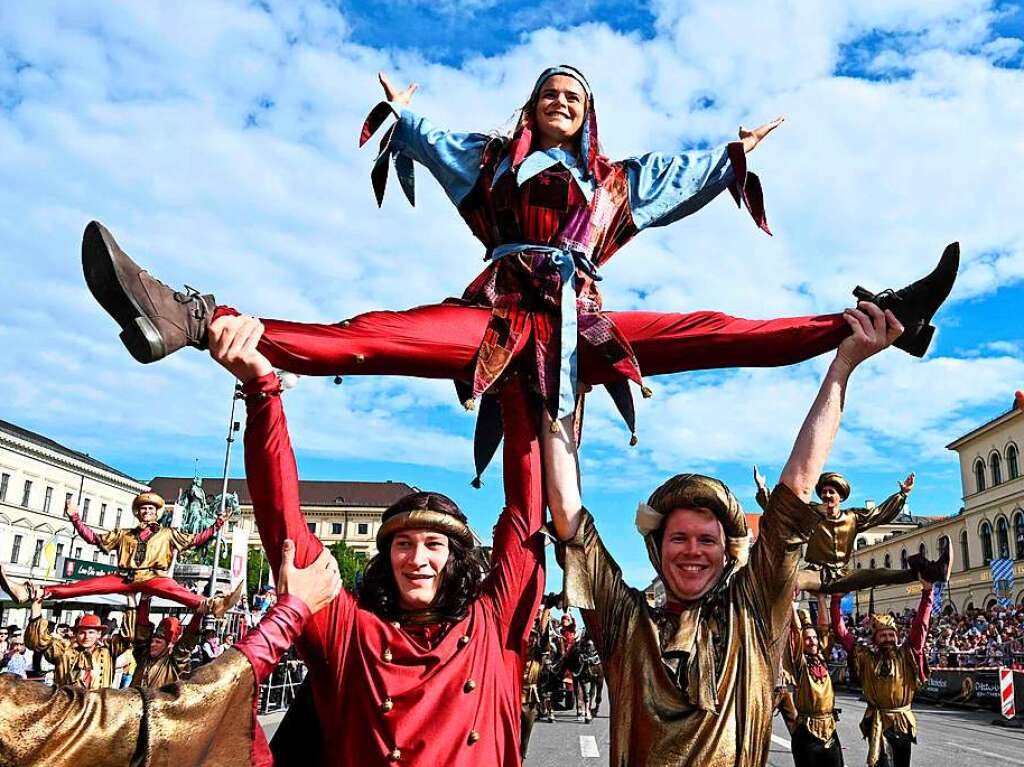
[144, 557]
[550, 211]
[423, 666]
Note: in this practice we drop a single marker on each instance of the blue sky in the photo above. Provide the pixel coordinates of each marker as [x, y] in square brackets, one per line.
[218, 141]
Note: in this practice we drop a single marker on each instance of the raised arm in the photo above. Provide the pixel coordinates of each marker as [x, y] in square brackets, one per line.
[206, 535]
[516, 581]
[845, 639]
[38, 637]
[922, 619]
[872, 331]
[887, 510]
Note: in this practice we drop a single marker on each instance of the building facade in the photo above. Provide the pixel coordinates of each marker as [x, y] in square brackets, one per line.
[990, 524]
[37, 474]
[347, 512]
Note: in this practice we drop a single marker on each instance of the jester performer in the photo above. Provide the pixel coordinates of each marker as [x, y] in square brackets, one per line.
[691, 682]
[815, 738]
[163, 654]
[424, 665]
[208, 719]
[550, 210]
[144, 557]
[890, 673]
[827, 558]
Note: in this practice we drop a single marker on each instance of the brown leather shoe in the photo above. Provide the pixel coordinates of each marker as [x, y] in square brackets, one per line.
[155, 320]
[220, 605]
[21, 593]
[916, 304]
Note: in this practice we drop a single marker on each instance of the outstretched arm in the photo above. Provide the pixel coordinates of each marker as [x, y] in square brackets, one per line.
[845, 638]
[87, 533]
[922, 619]
[561, 475]
[205, 535]
[872, 331]
[887, 510]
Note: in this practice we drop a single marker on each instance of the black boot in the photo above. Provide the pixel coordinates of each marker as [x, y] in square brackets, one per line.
[155, 320]
[933, 571]
[916, 304]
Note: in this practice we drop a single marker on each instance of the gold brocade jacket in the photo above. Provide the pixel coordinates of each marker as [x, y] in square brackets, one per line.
[169, 667]
[888, 696]
[815, 700]
[206, 721]
[143, 560]
[831, 545]
[72, 664]
[733, 658]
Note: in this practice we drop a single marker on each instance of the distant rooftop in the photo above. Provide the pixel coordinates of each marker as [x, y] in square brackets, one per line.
[45, 442]
[311, 492]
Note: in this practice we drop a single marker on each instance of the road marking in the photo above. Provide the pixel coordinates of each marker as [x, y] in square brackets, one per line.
[780, 742]
[989, 754]
[588, 746]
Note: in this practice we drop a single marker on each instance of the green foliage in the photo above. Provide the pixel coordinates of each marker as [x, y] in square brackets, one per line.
[349, 564]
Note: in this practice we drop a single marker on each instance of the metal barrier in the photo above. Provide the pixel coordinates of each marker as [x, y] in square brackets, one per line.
[280, 688]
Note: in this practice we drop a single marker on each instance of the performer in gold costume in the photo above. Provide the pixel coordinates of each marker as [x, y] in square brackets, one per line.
[164, 654]
[828, 553]
[815, 739]
[691, 682]
[83, 661]
[890, 674]
[207, 721]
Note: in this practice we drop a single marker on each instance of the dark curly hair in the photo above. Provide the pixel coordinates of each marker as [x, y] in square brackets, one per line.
[463, 573]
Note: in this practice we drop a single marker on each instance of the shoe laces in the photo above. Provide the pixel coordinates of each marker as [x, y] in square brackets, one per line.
[191, 295]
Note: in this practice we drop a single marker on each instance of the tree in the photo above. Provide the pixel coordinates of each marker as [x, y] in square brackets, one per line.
[350, 563]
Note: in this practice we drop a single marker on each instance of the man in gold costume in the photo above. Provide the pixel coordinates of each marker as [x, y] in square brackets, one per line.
[82, 661]
[144, 556]
[691, 682]
[207, 721]
[815, 739]
[828, 553]
[164, 654]
[890, 673]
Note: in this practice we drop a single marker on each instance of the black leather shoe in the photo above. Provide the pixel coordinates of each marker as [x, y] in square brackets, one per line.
[933, 571]
[155, 320]
[916, 304]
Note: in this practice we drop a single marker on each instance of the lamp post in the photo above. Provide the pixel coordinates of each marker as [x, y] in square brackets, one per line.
[288, 381]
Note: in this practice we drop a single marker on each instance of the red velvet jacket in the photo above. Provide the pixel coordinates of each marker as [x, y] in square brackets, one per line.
[383, 698]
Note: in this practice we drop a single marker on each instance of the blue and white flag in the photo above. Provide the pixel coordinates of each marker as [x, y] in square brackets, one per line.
[1002, 581]
[938, 594]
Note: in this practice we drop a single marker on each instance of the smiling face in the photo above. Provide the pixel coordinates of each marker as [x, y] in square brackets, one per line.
[87, 638]
[561, 106]
[830, 497]
[146, 513]
[418, 558]
[811, 644]
[692, 552]
[157, 646]
[886, 638]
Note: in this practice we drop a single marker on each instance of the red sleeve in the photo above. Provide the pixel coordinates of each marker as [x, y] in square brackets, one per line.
[273, 635]
[516, 582]
[204, 535]
[844, 637]
[85, 531]
[273, 481]
[923, 618]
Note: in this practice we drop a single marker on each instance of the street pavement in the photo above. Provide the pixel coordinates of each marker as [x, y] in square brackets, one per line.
[946, 736]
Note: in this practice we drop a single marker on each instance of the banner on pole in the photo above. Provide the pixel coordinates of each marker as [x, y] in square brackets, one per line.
[1002, 581]
[239, 554]
[1006, 693]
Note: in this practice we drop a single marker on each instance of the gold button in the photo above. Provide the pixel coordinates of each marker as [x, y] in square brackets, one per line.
[360, 359]
[395, 755]
[396, 624]
[474, 736]
[387, 705]
[344, 323]
[469, 686]
[386, 656]
[463, 640]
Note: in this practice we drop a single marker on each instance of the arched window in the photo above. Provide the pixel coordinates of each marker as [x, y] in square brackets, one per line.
[979, 474]
[872, 563]
[943, 544]
[1012, 468]
[903, 560]
[986, 542]
[996, 464]
[861, 543]
[922, 550]
[1018, 532]
[888, 562]
[965, 551]
[1003, 538]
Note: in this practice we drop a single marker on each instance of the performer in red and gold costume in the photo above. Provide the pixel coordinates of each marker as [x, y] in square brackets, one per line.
[550, 211]
[144, 557]
[209, 719]
[424, 665]
[163, 654]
